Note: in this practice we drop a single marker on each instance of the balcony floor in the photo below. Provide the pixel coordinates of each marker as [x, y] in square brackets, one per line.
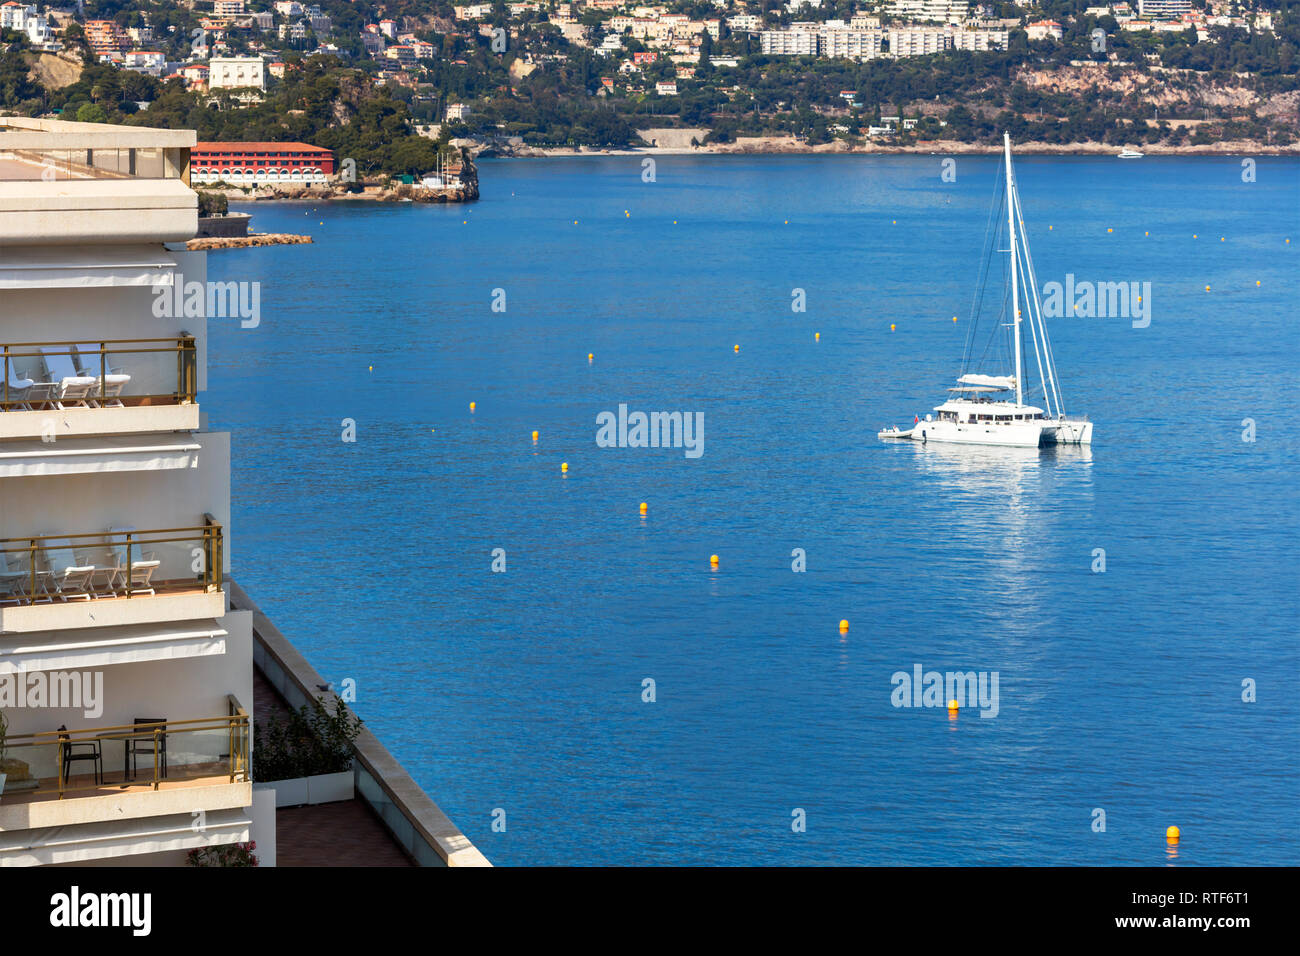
[83, 785]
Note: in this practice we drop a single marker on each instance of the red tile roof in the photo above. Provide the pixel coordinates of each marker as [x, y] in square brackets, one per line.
[265, 147]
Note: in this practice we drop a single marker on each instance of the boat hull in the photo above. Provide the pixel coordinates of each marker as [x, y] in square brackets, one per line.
[1072, 432]
[1029, 434]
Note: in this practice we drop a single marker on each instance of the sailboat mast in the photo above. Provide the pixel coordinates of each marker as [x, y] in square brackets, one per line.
[1015, 289]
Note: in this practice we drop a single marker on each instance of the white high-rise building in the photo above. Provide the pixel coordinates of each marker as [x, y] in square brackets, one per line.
[126, 680]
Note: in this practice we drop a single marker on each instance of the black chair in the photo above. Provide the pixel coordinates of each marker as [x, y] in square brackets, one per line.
[70, 754]
[145, 745]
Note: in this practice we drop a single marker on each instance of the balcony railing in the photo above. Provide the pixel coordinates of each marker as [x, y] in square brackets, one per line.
[106, 374]
[118, 563]
[152, 751]
[58, 165]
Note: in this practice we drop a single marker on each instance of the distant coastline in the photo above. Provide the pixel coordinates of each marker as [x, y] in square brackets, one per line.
[782, 145]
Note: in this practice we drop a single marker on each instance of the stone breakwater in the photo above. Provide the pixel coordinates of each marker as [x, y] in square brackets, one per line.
[245, 242]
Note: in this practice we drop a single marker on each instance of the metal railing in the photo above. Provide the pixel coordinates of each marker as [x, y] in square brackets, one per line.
[43, 569]
[44, 375]
[159, 740]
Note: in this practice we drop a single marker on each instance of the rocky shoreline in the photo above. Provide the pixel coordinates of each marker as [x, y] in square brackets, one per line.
[246, 242]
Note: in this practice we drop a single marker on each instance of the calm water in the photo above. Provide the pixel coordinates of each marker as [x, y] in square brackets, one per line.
[522, 691]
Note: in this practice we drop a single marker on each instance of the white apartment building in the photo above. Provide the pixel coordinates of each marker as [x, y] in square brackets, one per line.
[918, 41]
[114, 514]
[941, 11]
[227, 8]
[853, 44]
[792, 42]
[236, 72]
[144, 61]
[1164, 9]
[745, 23]
[976, 40]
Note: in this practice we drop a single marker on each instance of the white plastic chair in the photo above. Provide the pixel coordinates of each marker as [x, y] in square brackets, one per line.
[143, 566]
[114, 379]
[73, 388]
[69, 577]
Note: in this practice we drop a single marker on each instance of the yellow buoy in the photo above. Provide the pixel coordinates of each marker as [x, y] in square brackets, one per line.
[1256, 282]
[713, 560]
[590, 356]
[1172, 834]
[471, 406]
[644, 507]
[737, 348]
[564, 466]
[1207, 288]
[844, 624]
[953, 704]
[817, 336]
[372, 368]
[1110, 230]
[534, 436]
[892, 326]
[787, 222]
[1147, 233]
[1194, 235]
[893, 222]
[1223, 239]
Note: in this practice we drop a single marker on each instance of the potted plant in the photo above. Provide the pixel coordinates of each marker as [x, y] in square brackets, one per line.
[307, 758]
[231, 854]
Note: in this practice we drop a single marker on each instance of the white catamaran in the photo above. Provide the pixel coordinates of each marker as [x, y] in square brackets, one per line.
[979, 411]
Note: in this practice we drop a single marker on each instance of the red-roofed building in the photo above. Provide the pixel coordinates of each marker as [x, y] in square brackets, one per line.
[260, 162]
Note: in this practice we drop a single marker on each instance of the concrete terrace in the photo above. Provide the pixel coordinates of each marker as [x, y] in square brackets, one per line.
[346, 833]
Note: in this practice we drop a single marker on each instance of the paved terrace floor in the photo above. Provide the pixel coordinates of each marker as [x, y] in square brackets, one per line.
[83, 785]
[346, 833]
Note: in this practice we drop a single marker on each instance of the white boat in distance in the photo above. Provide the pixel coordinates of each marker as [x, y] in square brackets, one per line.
[1128, 152]
[980, 411]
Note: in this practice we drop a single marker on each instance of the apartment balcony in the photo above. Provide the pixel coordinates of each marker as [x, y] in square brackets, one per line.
[121, 576]
[148, 786]
[55, 390]
[63, 182]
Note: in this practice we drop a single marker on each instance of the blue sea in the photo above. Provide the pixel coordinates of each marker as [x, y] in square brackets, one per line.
[1159, 691]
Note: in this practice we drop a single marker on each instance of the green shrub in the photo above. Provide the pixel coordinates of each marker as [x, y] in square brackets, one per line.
[311, 741]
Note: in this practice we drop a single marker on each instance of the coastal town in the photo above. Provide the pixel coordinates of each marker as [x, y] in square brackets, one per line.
[535, 77]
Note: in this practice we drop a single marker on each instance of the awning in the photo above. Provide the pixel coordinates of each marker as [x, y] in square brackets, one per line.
[989, 381]
[76, 456]
[88, 648]
[117, 838]
[74, 267]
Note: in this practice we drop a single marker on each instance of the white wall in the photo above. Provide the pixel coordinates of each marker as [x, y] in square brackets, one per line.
[167, 498]
[183, 689]
[98, 314]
